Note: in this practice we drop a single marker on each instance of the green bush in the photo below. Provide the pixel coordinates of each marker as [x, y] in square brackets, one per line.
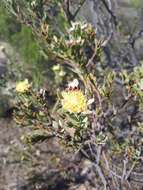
[96, 113]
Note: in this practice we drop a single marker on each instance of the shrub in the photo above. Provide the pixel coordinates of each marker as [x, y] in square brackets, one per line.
[97, 114]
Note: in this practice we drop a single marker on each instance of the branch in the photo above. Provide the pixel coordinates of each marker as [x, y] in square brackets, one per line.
[70, 16]
[109, 9]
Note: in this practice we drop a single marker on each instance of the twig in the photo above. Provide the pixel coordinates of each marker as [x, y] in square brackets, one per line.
[85, 154]
[95, 90]
[70, 16]
[109, 9]
[130, 171]
[91, 151]
[78, 9]
[101, 175]
[124, 169]
[90, 61]
[99, 150]
[108, 168]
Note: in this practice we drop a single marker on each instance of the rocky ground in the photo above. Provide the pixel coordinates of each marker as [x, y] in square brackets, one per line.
[23, 167]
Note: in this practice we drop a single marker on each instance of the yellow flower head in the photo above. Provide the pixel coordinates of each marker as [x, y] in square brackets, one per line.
[23, 86]
[74, 101]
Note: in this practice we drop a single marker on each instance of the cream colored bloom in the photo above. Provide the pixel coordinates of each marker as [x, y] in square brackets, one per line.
[73, 84]
[23, 86]
[74, 101]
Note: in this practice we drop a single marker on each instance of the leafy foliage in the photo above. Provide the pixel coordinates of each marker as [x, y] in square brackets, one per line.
[110, 125]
